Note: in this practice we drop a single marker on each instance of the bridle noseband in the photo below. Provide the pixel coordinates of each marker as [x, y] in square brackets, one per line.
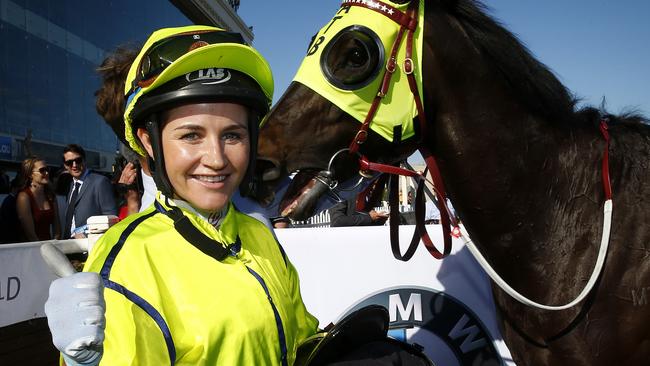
[408, 22]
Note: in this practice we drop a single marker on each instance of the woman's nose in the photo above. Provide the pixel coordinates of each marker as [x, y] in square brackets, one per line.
[214, 156]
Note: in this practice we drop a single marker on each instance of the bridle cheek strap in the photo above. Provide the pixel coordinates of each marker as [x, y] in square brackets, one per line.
[408, 24]
[407, 21]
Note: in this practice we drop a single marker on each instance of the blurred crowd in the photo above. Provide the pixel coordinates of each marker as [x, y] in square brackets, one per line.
[44, 202]
[40, 202]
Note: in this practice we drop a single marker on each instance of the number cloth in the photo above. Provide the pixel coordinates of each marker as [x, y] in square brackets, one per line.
[397, 108]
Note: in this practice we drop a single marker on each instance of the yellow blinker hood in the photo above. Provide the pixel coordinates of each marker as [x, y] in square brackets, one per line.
[397, 108]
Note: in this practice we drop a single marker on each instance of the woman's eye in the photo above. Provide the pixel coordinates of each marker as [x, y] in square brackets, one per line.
[190, 136]
[231, 136]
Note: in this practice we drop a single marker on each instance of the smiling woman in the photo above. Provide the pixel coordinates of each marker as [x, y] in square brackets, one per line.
[178, 282]
[210, 146]
[35, 204]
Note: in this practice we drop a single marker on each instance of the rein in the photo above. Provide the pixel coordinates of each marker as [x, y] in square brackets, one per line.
[408, 22]
[602, 251]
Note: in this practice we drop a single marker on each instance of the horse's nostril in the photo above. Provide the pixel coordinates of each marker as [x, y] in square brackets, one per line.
[268, 170]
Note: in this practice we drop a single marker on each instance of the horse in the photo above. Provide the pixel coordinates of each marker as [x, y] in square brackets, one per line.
[521, 164]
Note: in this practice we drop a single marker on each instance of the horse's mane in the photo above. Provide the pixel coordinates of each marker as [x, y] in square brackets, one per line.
[532, 82]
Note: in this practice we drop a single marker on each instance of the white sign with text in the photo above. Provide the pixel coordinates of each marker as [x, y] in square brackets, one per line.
[24, 282]
[444, 305]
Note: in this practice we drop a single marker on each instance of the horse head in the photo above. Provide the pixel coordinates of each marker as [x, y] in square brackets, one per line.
[525, 171]
[310, 129]
[520, 164]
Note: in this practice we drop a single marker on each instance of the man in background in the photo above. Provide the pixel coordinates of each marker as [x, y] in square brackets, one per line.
[91, 194]
[345, 214]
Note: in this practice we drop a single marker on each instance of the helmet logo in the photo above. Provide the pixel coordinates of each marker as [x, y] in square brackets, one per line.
[209, 76]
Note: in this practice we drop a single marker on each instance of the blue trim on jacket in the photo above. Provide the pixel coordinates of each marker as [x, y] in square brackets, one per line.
[151, 311]
[278, 319]
[133, 297]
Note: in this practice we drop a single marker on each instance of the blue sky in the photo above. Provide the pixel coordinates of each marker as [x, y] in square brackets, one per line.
[596, 47]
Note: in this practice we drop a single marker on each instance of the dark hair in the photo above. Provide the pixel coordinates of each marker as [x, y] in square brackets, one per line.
[109, 98]
[75, 149]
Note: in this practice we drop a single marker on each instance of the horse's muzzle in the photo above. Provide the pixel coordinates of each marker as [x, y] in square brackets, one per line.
[300, 203]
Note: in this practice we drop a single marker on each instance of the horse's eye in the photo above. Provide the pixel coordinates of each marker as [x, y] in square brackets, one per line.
[357, 57]
[353, 58]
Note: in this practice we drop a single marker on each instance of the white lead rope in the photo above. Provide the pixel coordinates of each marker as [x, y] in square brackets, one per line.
[604, 243]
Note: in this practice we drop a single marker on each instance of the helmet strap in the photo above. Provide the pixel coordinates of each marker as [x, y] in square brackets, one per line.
[249, 185]
[194, 236]
[157, 163]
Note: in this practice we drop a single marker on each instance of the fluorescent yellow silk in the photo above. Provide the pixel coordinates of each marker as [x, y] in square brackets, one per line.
[217, 313]
[397, 108]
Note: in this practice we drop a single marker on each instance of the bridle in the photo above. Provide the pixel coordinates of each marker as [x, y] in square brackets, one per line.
[408, 22]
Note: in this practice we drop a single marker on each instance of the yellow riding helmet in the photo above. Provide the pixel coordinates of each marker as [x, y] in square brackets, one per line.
[196, 52]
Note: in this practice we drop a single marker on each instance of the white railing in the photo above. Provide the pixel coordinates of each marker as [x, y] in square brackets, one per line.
[25, 277]
[323, 219]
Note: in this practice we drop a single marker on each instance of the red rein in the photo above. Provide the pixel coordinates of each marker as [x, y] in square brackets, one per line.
[408, 24]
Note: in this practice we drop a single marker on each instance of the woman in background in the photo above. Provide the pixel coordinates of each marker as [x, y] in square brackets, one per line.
[36, 204]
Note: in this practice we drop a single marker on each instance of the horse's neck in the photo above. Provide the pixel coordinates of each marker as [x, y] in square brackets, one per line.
[530, 203]
[510, 173]
[506, 152]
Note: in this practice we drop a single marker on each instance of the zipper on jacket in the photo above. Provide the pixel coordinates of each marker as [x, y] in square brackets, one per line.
[278, 320]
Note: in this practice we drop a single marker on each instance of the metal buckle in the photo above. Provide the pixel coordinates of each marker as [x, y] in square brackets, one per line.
[366, 174]
[329, 165]
[390, 65]
[408, 66]
[361, 137]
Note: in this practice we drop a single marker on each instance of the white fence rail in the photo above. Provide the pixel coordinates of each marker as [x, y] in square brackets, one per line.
[340, 270]
[25, 278]
[323, 219]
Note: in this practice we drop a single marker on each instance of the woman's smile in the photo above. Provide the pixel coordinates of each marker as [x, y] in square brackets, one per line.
[210, 178]
[206, 148]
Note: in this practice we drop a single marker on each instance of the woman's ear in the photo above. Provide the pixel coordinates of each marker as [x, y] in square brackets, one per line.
[145, 140]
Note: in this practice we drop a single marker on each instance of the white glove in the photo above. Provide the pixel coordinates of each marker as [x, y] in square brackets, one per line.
[75, 313]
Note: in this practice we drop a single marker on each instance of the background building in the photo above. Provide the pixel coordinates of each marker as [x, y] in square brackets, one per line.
[49, 50]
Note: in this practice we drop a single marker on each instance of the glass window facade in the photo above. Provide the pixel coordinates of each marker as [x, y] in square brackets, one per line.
[49, 50]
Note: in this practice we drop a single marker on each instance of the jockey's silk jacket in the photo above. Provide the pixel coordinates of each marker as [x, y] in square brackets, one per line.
[168, 303]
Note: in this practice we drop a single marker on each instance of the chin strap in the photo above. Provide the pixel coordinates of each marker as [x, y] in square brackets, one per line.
[157, 163]
[250, 183]
[194, 236]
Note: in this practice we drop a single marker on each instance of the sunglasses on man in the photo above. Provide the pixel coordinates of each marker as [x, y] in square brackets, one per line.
[77, 161]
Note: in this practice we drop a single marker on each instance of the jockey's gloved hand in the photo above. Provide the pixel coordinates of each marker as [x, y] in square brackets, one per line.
[75, 313]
